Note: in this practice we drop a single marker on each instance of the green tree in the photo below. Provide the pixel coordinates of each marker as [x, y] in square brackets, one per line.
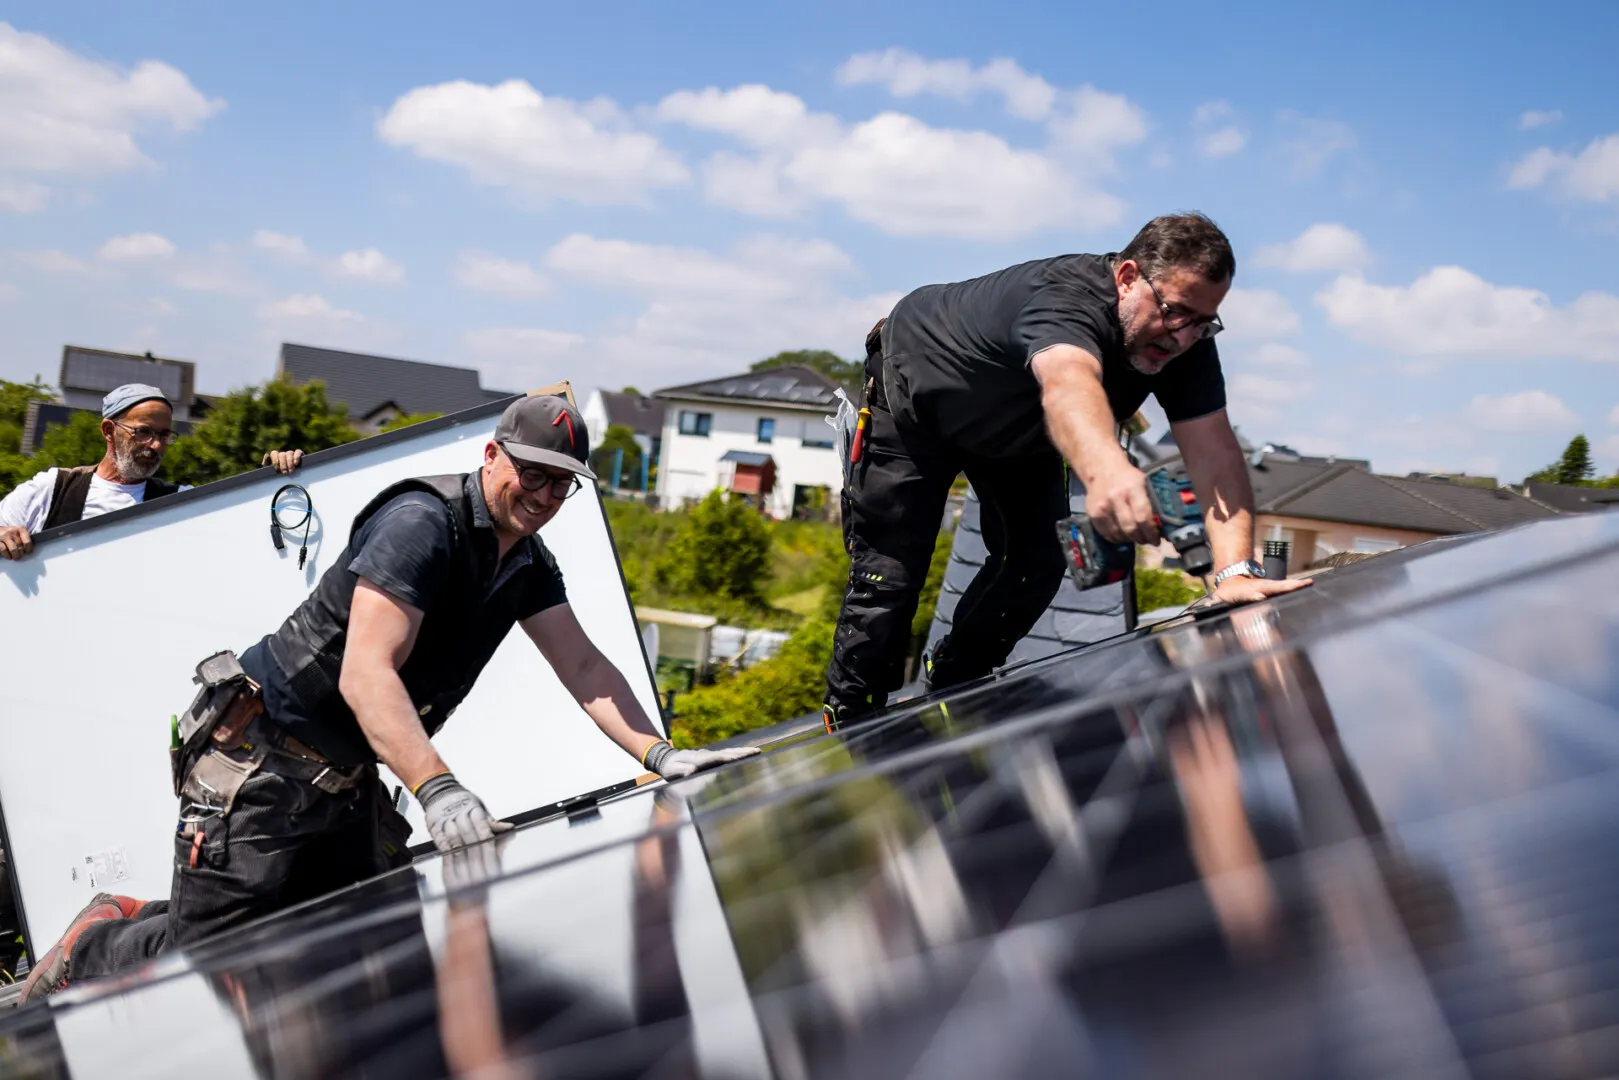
[789, 684]
[77, 442]
[403, 420]
[631, 390]
[830, 364]
[722, 549]
[1163, 588]
[247, 423]
[618, 437]
[14, 399]
[1573, 468]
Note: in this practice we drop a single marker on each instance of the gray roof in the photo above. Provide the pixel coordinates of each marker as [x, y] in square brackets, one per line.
[98, 371]
[799, 387]
[366, 383]
[1571, 499]
[638, 412]
[1073, 618]
[745, 457]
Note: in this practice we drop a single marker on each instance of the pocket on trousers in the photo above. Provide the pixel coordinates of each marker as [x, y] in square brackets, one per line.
[202, 841]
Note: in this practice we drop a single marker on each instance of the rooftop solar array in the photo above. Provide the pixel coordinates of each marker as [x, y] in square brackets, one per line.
[1368, 830]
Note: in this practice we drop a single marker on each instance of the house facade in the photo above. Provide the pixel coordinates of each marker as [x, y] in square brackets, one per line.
[760, 434]
[88, 374]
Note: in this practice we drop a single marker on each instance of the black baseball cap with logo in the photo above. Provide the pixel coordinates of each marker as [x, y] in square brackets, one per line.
[543, 429]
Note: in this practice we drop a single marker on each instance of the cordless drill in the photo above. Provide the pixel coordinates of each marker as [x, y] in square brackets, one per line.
[1094, 560]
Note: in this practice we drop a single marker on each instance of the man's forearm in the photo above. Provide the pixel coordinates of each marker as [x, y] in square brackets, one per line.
[605, 695]
[389, 721]
[1079, 419]
[1221, 482]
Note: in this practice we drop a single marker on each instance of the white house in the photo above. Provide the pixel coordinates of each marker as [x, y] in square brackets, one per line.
[641, 414]
[761, 434]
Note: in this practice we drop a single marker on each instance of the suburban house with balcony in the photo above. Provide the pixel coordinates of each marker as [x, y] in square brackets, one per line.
[379, 389]
[761, 434]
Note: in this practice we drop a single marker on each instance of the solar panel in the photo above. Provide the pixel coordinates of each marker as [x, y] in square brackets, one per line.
[1366, 830]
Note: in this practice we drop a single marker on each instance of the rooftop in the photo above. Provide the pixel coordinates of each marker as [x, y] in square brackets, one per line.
[794, 387]
[366, 383]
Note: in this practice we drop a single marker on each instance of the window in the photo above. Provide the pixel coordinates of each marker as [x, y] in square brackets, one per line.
[695, 423]
[767, 428]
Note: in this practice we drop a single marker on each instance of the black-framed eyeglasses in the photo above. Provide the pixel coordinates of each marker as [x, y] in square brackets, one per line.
[1176, 318]
[161, 436]
[534, 478]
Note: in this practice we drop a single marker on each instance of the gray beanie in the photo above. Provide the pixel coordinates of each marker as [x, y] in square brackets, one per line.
[128, 396]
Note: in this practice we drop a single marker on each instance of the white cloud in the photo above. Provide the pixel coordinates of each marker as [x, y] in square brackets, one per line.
[704, 312]
[1257, 315]
[21, 197]
[1526, 412]
[1613, 417]
[512, 136]
[1216, 139]
[1312, 142]
[50, 261]
[1222, 143]
[307, 307]
[1276, 356]
[901, 175]
[1323, 246]
[905, 74]
[1255, 398]
[1449, 311]
[136, 246]
[483, 272]
[63, 113]
[1090, 125]
[370, 266]
[522, 358]
[291, 247]
[1535, 118]
[1592, 175]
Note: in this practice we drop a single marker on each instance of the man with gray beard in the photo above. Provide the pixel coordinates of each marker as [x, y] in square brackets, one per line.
[135, 421]
[1006, 377]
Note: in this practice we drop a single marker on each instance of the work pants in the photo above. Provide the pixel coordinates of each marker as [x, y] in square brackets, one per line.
[282, 842]
[894, 499]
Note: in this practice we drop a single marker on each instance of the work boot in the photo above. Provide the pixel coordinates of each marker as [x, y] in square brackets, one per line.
[50, 974]
[131, 907]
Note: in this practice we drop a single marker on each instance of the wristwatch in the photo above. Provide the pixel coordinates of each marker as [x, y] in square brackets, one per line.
[1245, 568]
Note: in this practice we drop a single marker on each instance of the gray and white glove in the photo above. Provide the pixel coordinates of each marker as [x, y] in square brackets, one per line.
[455, 816]
[672, 764]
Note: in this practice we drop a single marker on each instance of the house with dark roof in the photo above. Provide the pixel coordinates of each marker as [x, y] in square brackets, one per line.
[88, 374]
[1322, 506]
[641, 413]
[762, 434]
[378, 389]
[1571, 498]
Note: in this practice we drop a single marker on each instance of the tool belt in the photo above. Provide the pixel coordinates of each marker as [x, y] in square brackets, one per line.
[224, 738]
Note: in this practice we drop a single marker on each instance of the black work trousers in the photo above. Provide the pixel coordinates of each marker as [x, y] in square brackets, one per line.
[282, 842]
[893, 507]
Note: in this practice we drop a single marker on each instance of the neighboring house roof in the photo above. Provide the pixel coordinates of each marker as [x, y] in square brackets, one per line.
[1073, 617]
[98, 371]
[1570, 499]
[366, 383]
[792, 387]
[1350, 494]
[638, 412]
[745, 457]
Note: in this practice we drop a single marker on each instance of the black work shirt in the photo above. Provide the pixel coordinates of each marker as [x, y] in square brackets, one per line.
[958, 355]
[407, 549]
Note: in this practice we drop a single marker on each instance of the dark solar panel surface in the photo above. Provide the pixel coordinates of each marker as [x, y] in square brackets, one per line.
[1366, 831]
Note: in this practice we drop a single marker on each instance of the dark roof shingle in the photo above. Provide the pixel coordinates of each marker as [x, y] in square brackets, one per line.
[792, 386]
[641, 414]
[366, 383]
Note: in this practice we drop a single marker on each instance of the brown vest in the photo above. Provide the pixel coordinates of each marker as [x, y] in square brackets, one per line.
[73, 486]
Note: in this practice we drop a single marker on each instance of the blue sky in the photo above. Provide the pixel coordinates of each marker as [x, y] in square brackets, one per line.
[1425, 203]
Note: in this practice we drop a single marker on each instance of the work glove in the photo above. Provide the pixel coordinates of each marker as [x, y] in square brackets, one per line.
[455, 816]
[672, 764]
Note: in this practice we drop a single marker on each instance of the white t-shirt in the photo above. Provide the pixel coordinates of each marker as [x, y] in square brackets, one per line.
[29, 503]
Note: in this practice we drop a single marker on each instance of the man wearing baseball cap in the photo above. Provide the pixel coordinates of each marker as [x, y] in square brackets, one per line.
[276, 763]
[136, 421]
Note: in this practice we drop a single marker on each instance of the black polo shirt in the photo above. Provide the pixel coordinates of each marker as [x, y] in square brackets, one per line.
[958, 355]
[406, 548]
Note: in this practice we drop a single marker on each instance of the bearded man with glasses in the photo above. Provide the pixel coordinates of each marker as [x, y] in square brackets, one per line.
[136, 421]
[280, 800]
[1006, 377]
